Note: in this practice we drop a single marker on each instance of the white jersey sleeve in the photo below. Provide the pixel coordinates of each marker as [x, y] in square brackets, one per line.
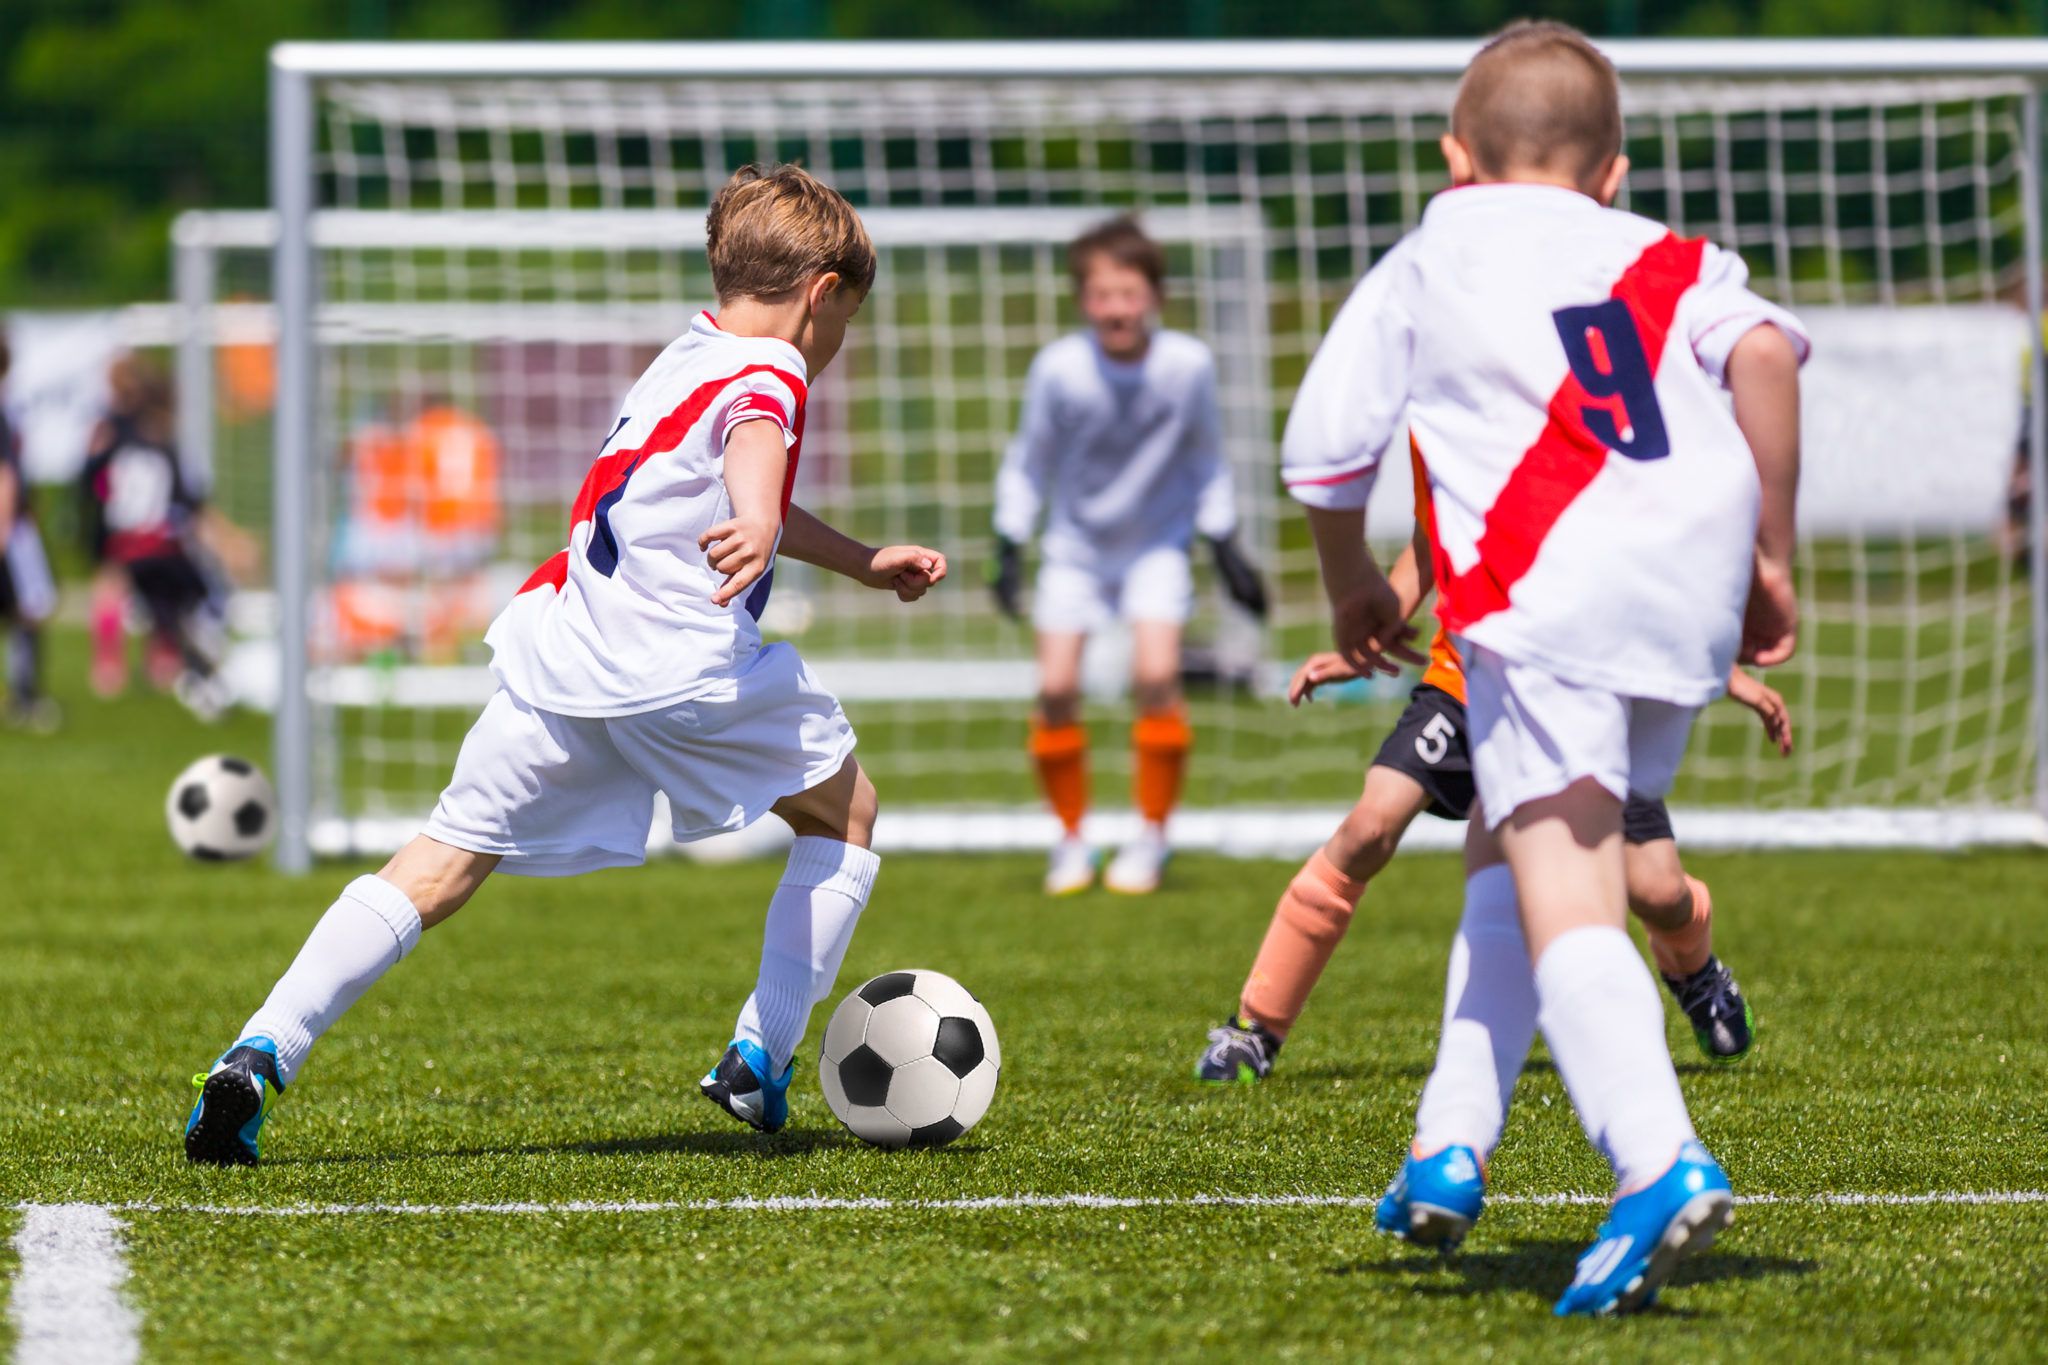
[1721, 310]
[1216, 508]
[1027, 464]
[1350, 404]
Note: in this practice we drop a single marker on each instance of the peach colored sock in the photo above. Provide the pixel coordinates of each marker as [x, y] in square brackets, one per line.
[1161, 741]
[1061, 752]
[1681, 952]
[1307, 926]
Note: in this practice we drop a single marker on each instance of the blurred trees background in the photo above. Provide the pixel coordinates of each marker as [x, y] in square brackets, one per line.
[116, 114]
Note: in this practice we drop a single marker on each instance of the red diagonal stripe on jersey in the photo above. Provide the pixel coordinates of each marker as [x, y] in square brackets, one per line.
[1567, 457]
[609, 471]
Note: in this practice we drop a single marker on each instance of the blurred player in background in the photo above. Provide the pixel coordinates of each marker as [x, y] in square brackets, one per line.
[151, 534]
[632, 663]
[1426, 765]
[1120, 449]
[1608, 540]
[425, 510]
[28, 593]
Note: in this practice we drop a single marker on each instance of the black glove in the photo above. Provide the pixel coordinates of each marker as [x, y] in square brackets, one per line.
[1006, 577]
[1240, 579]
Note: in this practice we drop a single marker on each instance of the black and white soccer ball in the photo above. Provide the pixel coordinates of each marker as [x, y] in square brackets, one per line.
[221, 809]
[910, 1059]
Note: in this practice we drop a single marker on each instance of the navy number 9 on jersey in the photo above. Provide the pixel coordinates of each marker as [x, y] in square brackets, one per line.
[1605, 351]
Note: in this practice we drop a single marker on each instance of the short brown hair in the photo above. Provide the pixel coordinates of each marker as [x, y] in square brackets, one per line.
[770, 229]
[1539, 96]
[1123, 241]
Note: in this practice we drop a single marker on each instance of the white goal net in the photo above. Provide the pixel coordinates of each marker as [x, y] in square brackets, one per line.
[482, 248]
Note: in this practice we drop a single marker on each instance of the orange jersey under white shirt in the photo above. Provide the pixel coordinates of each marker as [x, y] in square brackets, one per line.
[1560, 365]
[1446, 670]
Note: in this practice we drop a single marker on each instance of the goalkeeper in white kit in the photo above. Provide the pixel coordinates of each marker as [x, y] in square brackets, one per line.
[1120, 450]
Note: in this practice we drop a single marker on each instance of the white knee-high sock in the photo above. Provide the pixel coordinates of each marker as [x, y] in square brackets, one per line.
[1489, 1022]
[810, 923]
[362, 935]
[1605, 1027]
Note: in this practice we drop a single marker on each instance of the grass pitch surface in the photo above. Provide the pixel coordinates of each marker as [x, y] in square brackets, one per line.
[544, 1048]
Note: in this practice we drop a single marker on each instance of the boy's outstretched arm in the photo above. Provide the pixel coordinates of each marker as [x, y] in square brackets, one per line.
[907, 569]
[1763, 378]
[743, 546]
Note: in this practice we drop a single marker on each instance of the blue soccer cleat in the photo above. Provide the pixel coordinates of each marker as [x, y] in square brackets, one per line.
[741, 1086]
[1435, 1199]
[235, 1097]
[1647, 1232]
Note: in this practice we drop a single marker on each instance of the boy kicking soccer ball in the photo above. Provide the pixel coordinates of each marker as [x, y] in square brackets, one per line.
[1608, 539]
[1426, 765]
[1121, 448]
[631, 663]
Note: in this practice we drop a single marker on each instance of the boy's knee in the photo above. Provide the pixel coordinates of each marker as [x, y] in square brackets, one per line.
[1365, 842]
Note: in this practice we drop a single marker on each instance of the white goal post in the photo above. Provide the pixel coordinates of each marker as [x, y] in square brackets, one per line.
[509, 226]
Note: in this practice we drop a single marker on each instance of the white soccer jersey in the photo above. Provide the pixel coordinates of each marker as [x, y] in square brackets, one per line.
[622, 621]
[1595, 504]
[1120, 456]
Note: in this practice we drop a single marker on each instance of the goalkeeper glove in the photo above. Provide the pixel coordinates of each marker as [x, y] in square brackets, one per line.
[1240, 579]
[1006, 577]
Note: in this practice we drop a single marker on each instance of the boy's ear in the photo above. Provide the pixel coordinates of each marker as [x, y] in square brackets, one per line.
[1610, 183]
[821, 288]
[1458, 157]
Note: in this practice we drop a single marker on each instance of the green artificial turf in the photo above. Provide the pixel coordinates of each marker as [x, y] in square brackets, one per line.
[544, 1047]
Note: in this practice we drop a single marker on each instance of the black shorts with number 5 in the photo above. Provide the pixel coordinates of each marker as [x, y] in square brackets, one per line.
[1429, 744]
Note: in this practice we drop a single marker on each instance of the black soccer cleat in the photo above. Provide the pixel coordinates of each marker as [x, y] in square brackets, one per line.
[235, 1097]
[1720, 1017]
[1239, 1050]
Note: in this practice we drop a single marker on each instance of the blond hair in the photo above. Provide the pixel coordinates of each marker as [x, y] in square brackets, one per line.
[1540, 97]
[771, 229]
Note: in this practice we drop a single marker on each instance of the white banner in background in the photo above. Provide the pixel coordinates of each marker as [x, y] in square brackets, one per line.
[57, 388]
[1909, 421]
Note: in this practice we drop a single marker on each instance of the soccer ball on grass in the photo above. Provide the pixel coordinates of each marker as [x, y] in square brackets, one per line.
[221, 809]
[910, 1059]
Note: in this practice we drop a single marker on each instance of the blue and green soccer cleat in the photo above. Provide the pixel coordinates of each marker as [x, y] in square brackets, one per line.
[1646, 1233]
[1721, 1022]
[741, 1085]
[235, 1097]
[1435, 1199]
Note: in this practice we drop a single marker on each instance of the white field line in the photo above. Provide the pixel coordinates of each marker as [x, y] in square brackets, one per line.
[67, 1305]
[824, 1204]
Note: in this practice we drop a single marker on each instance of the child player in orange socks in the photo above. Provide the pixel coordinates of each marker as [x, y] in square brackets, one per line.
[1425, 765]
[1120, 448]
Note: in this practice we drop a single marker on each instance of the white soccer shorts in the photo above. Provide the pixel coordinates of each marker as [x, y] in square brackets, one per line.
[557, 795]
[1533, 734]
[1153, 585]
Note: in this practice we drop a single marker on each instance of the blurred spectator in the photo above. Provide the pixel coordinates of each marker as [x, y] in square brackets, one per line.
[28, 594]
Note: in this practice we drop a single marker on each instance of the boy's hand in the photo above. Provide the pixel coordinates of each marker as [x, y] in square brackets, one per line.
[910, 570]
[1770, 623]
[1770, 708]
[1006, 577]
[1240, 579]
[1315, 671]
[741, 549]
[1371, 632]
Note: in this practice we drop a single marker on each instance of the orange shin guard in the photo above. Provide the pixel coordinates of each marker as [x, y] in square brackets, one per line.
[1061, 753]
[1681, 952]
[1161, 741]
[1307, 926]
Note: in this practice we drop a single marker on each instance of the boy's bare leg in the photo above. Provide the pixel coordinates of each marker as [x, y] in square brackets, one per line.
[1677, 912]
[811, 917]
[1160, 738]
[1059, 752]
[1597, 1005]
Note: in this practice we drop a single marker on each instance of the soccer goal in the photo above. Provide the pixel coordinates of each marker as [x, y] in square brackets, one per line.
[497, 238]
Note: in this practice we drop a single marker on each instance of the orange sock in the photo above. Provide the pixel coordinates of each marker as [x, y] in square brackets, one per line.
[1307, 926]
[1681, 952]
[1161, 741]
[1061, 752]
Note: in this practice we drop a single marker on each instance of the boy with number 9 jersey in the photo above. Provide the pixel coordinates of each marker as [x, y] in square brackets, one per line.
[1607, 538]
[632, 663]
